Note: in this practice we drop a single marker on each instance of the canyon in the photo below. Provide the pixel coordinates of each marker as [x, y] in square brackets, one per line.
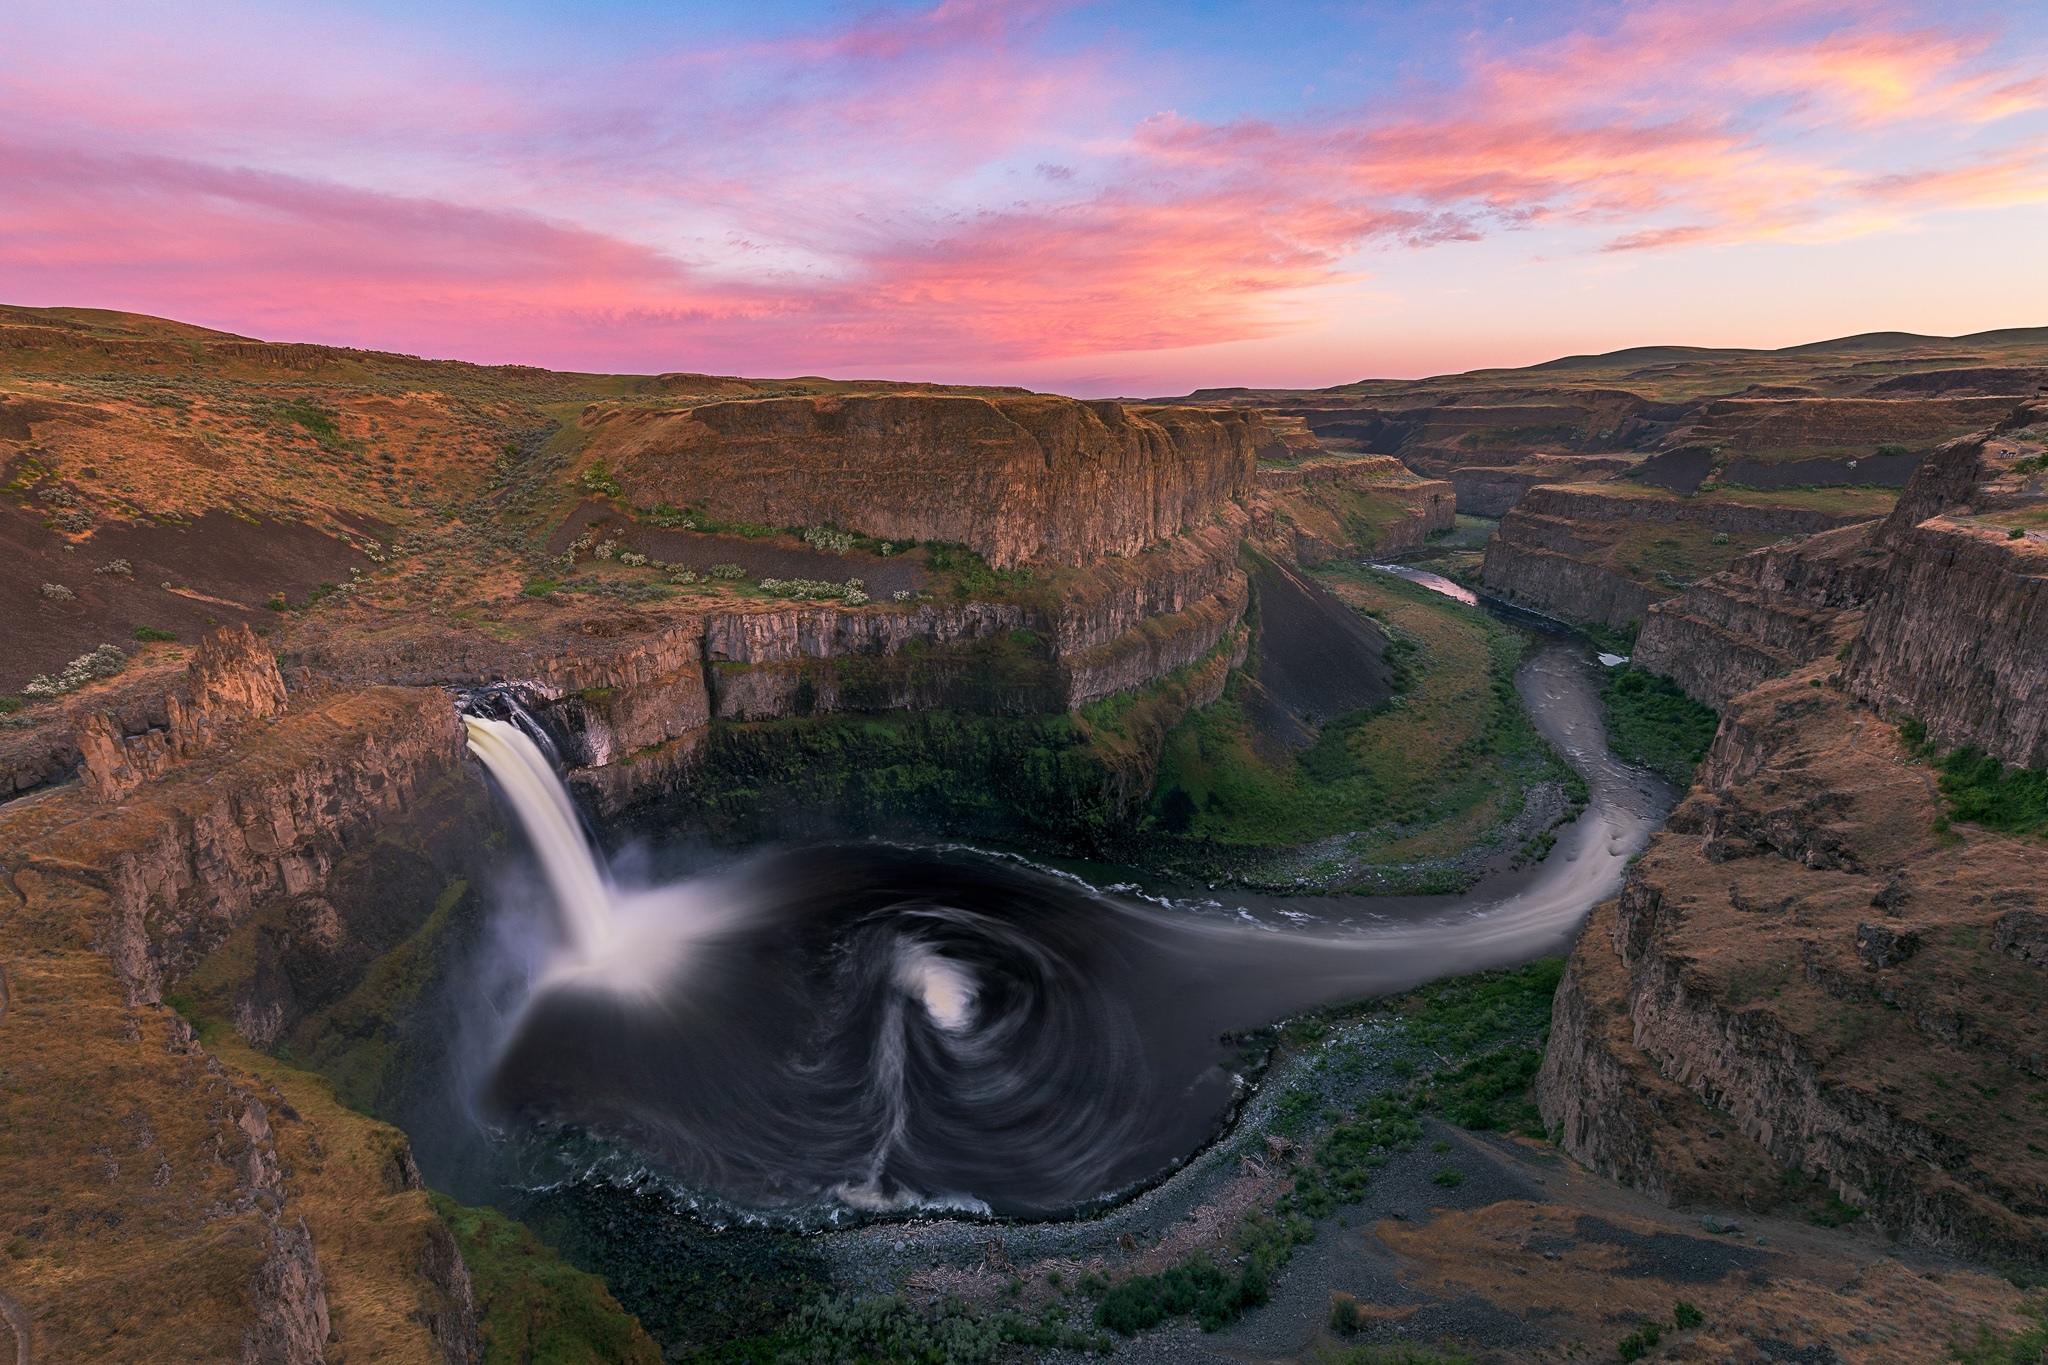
[236, 861]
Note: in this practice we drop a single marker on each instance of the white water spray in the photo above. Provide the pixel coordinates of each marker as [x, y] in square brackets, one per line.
[542, 805]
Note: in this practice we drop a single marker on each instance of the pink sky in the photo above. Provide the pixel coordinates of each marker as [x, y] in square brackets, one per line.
[1047, 194]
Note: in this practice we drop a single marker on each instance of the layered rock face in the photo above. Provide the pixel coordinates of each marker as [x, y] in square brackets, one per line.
[178, 1203]
[1810, 968]
[1495, 490]
[1958, 638]
[1765, 615]
[1025, 478]
[1604, 553]
[1333, 505]
[1801, 962]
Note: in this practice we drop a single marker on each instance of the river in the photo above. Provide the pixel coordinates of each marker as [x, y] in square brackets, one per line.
[876, 1027]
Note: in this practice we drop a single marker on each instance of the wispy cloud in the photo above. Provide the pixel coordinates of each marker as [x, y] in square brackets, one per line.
[944, 187]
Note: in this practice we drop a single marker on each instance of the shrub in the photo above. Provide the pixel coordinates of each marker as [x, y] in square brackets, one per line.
[727, 571]
[829, 539]
[856, 598]
[633, 559]
[1982, 790]
[900, 595]
[1686, 1316]
[1448, 1178]
[119, 568]
[9, 705]
[1640, 1342]
[103, 662]
[598, 479]
[1893, 448]
[146, 634]
[1652, 723]
[539, 587]
[57, 592]
[2015, 533]
[276, 602]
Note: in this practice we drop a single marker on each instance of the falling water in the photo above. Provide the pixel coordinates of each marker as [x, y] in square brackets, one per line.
[872, 1027]
[538, 798]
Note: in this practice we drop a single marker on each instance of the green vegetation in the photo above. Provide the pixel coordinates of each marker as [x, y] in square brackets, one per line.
[1640, 1342]
[315, 421]
[1612, 639]
[1654, 725]
[156, 634]
[1981, 790]
[2027, 1346]
[9, 705]
[1434, 770]
[974, 578]
[598, 480]
[1495, 1023]
[1686, 1316]
[531, 1306]
[1449, 1177]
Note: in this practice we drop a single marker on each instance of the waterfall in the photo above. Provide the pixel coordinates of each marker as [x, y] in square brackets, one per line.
[541, 802]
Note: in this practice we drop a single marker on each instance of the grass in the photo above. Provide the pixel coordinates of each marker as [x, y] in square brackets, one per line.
[2027, 1346]
[1449, 758]
[148, 634]
[1652, 724]
[533, 1306]
[1980, 790]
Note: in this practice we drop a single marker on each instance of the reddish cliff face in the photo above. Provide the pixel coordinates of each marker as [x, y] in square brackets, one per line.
[1605, 552]
[1016, 478]
[1810, 968]
[1958, 635]
[1320, 508]
[1801, 973]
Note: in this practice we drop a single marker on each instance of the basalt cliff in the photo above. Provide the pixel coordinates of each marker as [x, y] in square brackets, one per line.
[1827, 967]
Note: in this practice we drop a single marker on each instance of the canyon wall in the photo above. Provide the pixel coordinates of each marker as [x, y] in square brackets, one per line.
[202, 1203]
[1016, 478]
[1813, 969]
[1604, 552]
[1766, 614]
[1332, 506]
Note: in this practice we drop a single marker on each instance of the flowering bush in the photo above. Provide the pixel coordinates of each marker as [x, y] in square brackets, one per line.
[57, 592]
[119, 568]
[829, 539]
[853, 592]
[726, 571]
[103, 662]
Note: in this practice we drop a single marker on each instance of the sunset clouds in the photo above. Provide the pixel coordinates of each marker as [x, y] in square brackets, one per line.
[970, 190]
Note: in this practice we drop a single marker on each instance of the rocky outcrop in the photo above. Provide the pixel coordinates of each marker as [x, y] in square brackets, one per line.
[1754, 956]
[1768, 613]
[1958, 636]
[1023, 478]
[1959, 640]
[231, 680]
[1495, 490]
[1603, 553]
[1811, 951]
[186, 857]
[1336, 505]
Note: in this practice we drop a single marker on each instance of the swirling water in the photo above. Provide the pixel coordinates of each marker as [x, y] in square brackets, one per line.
[874, 1027]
